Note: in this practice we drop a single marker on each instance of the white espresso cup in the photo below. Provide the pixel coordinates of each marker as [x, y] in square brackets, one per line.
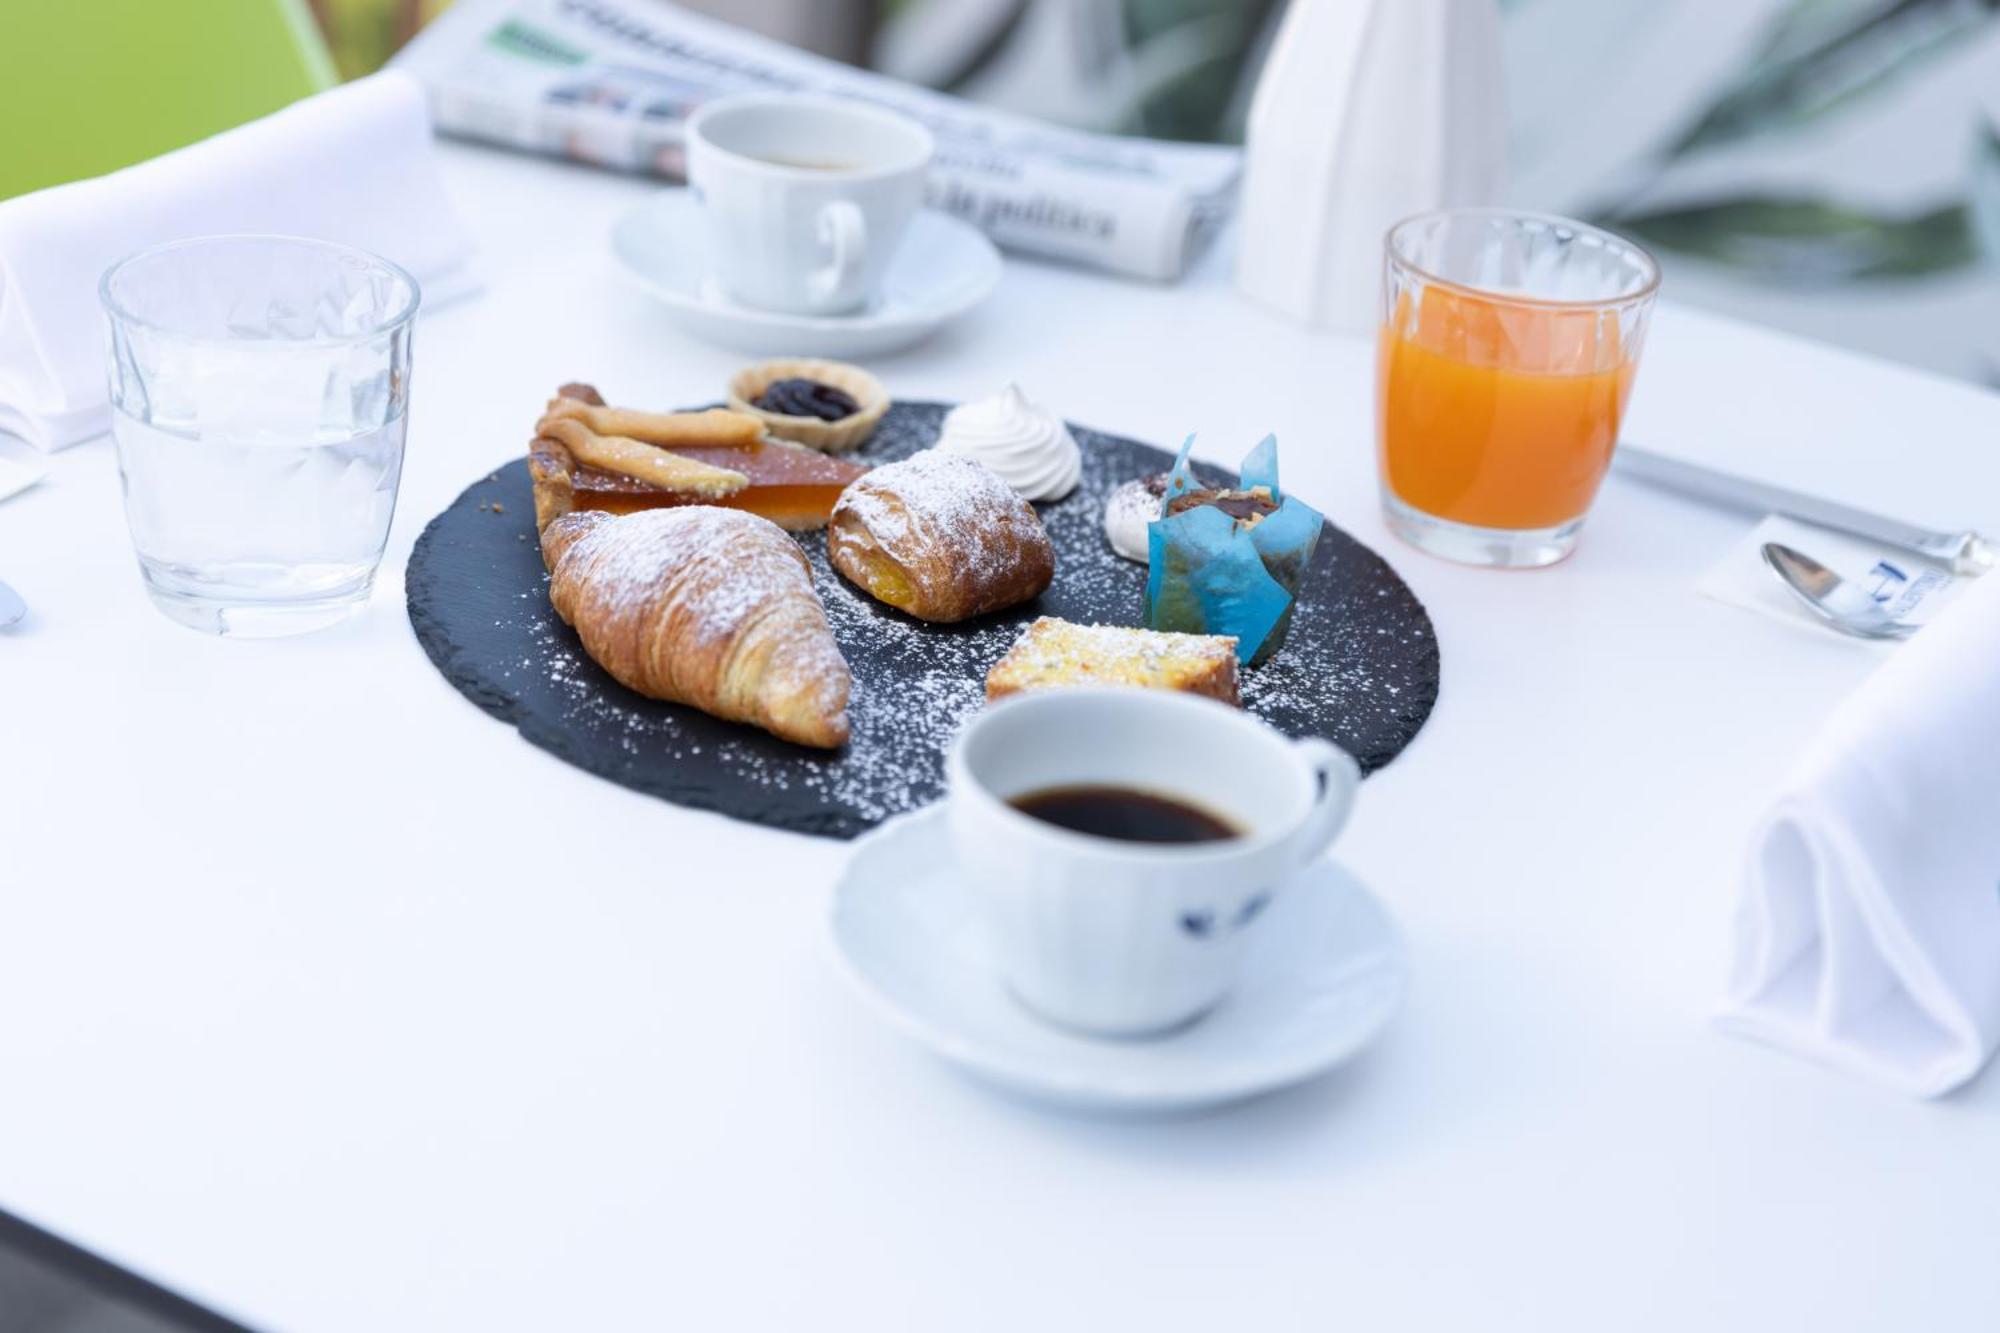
[804, 199]
[1121, 938]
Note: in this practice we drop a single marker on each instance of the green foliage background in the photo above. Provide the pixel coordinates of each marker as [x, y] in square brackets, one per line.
[1819, 61]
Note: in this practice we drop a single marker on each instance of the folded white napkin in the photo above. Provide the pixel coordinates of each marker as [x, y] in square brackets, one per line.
[354, 165]
[16, 477]
[1868, 935]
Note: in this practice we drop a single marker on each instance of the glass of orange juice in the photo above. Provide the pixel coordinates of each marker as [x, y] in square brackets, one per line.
[1508, 347]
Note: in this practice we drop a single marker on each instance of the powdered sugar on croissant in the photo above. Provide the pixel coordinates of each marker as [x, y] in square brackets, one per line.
[709, 607]
[940, 537]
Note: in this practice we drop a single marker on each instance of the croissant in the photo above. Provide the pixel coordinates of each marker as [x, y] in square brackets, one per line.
[941, 537]
[708, 607]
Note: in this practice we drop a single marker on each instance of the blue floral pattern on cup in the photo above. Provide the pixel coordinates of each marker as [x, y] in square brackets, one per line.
[1202, 923]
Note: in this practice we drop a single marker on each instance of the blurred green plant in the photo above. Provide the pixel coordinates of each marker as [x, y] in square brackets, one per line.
[1184, 70]
[1811, 241]
[1985, 202]
[1173, 69]
[1185, 64]
[1819, 59]
[363, 34]
[1821, 56]
[1195, 56]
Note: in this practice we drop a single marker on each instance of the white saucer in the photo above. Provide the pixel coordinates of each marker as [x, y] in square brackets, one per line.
[943, 268]
[1321, 980]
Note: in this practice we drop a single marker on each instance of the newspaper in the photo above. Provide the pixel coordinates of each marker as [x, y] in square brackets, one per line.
[612, 82]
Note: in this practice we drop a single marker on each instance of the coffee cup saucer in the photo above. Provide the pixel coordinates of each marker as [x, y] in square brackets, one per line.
[942, 269]
[1321, 980]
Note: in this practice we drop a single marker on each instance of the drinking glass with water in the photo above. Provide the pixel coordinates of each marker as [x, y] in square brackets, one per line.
[259, 395]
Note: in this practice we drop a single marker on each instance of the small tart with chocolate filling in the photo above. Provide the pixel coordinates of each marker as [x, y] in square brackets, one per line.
[825, 405]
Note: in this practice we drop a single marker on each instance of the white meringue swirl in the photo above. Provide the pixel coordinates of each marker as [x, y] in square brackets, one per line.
[1025, 443]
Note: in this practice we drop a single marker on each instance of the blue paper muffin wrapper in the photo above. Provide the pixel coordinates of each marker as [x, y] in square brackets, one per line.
[1208, 573]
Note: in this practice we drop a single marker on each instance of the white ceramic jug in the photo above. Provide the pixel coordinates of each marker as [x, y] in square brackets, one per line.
[1367, 111]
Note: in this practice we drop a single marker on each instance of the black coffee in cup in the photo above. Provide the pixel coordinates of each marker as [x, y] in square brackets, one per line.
[1125, 814]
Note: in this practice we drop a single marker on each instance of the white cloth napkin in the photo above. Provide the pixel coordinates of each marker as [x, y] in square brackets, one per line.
[1868, 935]
[354, 165]
[16, 477]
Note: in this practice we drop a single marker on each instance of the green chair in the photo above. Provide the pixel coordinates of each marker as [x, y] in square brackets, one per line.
[94, 85]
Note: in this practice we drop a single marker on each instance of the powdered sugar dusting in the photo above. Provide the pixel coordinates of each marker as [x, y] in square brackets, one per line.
[727, 551]
[1360, 665]
[1129, 513]
[936, 501]
[719, 581]
[1059, 653]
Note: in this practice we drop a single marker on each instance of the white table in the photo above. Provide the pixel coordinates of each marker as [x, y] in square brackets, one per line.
[326, 999]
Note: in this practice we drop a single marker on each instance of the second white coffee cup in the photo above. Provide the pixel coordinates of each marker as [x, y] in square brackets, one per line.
[804, 199]
[1125, 938]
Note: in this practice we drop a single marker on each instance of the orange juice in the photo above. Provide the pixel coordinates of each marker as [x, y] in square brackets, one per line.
[1496, 413]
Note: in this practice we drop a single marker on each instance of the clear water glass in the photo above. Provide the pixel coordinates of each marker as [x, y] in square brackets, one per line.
[1510, 342]
[259, 395]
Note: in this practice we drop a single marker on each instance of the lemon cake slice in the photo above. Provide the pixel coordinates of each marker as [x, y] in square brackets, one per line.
[1052, 654]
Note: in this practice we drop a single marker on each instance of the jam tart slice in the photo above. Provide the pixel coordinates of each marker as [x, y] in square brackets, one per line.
[662, 460]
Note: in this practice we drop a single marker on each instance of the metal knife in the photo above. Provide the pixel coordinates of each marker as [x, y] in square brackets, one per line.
[1961, 552]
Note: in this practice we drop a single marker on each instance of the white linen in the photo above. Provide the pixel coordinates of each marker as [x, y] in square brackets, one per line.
[1868, 935]
[354, 165]
[16, 477]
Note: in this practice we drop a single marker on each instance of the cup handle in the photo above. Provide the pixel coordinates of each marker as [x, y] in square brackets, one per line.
[1339, 776]
[844, 231]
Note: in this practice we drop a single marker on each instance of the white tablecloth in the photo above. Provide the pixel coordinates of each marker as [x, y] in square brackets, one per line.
[325, 998]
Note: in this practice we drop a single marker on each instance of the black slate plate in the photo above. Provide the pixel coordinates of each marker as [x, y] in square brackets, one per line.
[1360, 667]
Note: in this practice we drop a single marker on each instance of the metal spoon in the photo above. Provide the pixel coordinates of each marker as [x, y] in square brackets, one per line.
[1830, 597]
[12, 608]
